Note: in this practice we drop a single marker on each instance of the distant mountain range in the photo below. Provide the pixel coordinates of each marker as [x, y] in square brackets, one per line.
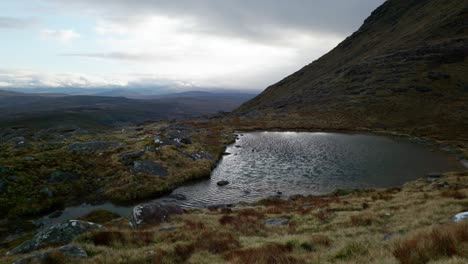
[130, 92]
[404, 70]
[44, 110]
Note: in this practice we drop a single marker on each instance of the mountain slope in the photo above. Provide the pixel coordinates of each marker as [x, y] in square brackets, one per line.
[405, 69]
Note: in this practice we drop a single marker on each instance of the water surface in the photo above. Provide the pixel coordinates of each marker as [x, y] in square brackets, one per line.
[262, 164]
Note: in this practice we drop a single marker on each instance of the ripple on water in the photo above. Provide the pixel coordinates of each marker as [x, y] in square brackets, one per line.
[313, 163]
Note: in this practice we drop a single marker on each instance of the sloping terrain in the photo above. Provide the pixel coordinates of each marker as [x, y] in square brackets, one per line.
[404, 70]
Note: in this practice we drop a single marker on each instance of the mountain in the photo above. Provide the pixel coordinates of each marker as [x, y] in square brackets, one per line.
[404, 70]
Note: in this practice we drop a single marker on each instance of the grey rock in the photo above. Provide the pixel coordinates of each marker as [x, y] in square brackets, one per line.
[460, 217]
[389, 236]
[149, 167]
[167, 228]
[70, 251]
[56, 234]
[153, 213]
[92, 146]
[222, 183]
[464, 163]
[129, 157]
[73, 251]
[47, 192]
[277, 221]
[62, 176]
[202, 155]
[178, 196]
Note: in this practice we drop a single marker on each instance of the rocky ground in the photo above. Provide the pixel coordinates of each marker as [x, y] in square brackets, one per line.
[44, 171]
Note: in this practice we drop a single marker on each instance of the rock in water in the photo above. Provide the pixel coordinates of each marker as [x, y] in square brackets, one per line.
[149, 167]
[153, 213]
[71, 251]
[55, 235]
[222, 183]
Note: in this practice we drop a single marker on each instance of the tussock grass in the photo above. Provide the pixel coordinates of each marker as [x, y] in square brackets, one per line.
[439, 242]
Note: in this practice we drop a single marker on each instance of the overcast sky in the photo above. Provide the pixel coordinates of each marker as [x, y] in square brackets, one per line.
[234, 44]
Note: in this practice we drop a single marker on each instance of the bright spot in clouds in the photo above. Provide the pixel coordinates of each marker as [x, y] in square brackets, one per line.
[64, 35]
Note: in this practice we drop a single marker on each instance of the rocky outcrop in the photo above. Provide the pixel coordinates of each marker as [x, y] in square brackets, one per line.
[55, 235]
[153, 213]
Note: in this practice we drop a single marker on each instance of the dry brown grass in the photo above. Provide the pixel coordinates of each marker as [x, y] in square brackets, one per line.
[440, 242]
[121, 238]
[243, 223]
[266, 254]
[455, 194]
[362, 219]
[216, 242]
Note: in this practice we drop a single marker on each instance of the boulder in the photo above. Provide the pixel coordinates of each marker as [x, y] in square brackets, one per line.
[222, 183]
[92, 146]
[149, 167]
[57, 234]
[277, 221]
[129, 157]
[70, 251]
[153, 213]
[62, 176]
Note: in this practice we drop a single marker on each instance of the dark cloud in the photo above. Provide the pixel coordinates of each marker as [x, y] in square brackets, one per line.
[16, 23]
[251, 19]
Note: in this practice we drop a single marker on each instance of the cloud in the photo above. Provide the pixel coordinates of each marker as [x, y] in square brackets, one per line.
[33, 78]
[119, 56]
[229, 43]
[259, 20]
[16, 23]
[63, 35]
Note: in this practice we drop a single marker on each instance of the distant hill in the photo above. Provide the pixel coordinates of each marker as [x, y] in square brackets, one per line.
[46, 110]
[404, 70]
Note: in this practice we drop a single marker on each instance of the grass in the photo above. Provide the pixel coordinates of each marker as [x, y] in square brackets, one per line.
[439, 242]
[413, 226]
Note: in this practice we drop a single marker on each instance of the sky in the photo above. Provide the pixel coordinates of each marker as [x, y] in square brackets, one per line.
[230, 44]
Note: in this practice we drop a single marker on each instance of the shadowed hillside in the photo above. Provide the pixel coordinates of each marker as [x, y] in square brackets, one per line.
[404, 70]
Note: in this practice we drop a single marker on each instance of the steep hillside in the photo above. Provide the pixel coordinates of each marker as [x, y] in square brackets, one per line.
[404, 70]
